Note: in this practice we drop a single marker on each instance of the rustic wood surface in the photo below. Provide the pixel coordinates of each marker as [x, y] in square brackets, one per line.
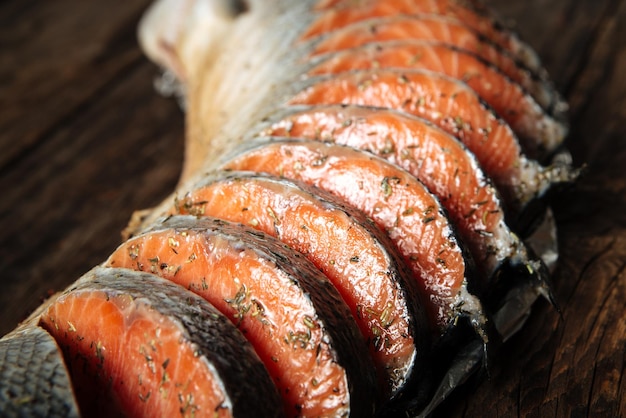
[84, 141]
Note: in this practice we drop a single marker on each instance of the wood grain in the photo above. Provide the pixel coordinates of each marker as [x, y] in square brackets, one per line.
[85, 141]
[572, 365]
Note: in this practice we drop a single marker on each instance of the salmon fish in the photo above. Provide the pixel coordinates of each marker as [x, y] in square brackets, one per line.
[447, 31]
[539, 133]
[398, 204]
[290, 313]
[455, 108]
[368, 274]
[435, 158]
[344, 239]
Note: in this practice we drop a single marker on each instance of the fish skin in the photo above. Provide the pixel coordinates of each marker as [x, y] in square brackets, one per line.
[34, 380]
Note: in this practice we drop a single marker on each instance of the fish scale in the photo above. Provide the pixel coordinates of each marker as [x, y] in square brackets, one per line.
[35, 380]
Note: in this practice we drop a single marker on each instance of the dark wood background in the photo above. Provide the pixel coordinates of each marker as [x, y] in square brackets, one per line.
[84, 141]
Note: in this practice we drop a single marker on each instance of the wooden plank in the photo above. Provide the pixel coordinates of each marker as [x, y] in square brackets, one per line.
[56, 56]
[87, 141]
[572, 365]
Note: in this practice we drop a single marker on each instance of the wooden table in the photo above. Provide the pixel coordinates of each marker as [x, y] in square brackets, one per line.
[85, 141]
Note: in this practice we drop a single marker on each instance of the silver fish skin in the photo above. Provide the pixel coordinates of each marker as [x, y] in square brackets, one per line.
[34, 380]
[238, 68]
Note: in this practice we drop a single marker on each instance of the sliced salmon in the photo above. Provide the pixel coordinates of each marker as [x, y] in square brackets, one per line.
[448, 31]
[338, 14]
[436, 158]
[138, 345]
[395, 200]
[370, 277]
[454, 107]
[285, 307]
[539, 132]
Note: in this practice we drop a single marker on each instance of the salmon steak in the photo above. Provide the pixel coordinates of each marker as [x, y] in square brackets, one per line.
[280, 302]
[396, 201]
[521, 111]
[450, 33]
[361, 218]
[300, 217]
[435, 158]
[157, 349]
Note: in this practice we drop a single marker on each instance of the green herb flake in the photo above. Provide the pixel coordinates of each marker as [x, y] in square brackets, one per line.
[408, 211]
[188, 206]
[272, 215]
[458, 122]
[237, 303]
[258, 312]
[484, 218]
[386, 188]
[144, 398]
[386, 317]
[173, 243]
[389, 147]
[99, 353]
[133, 251]
[415, 58]
[364, 85]
[318, 162]
[309, 322]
